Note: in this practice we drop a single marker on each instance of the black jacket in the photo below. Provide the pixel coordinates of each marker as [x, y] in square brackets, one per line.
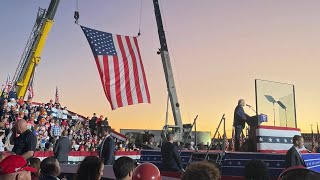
[293, 158]
[27, 141]
[239, 116]
[107, 150]
[92, 123]
[171, 160]
[62, 149]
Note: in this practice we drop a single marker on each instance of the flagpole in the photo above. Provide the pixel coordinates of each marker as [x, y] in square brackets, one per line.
[318, 135]
[313, 140]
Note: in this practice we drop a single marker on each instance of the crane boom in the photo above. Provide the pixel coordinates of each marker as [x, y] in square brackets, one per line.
[32, 52]
[175, 106]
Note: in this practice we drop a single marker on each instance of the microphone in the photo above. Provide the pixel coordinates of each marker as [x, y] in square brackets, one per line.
[248, 105]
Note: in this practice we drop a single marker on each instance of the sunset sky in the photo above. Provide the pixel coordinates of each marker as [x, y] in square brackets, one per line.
[217, 48]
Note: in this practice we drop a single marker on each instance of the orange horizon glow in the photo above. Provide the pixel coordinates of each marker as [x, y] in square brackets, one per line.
[217, 50]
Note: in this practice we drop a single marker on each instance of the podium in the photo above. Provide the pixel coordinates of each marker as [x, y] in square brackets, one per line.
[275, 139]
[269, 139]
[254, 122]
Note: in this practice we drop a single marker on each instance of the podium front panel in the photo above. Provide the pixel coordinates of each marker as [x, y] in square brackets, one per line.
[274, 139]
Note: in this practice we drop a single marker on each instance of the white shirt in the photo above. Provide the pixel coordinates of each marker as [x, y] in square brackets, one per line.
[65, 114]
[54, 112]
[1, 145]
[298, 150]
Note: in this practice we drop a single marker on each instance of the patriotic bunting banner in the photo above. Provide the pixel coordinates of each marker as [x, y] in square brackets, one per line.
[275, 139]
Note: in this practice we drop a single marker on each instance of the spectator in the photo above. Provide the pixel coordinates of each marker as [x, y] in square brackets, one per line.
[59, 113]
[257, 170]
[62, 148]
[123, 168]
[293, 156]
[2, 156]
[318, 149]
[65, 113]
[299, 173]
[146, 171]
[15, 167]
[99, 127]
[41, 121]
[92, 123]
[104, 123]
[54, 111]
[49, 169]
[91, 168]
[2, 133]
[201, 170]
[12, 103]
[56, 130]
[107, 147]
[171, 160]
[35, 163]
[26, 143]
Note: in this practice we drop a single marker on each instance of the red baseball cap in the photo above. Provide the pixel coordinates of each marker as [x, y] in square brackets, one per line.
[13, 164]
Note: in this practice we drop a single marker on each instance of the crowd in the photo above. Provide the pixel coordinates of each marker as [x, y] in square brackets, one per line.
[92, 168]
[125, 168]
[26, 127]
[47, 121]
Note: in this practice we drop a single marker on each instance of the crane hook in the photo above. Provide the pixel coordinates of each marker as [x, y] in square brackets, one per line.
[76, 16]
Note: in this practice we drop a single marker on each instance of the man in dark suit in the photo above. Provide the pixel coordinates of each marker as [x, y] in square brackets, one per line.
[293, 156]
[171, 160]
[62, 148]
[50, 169]
[240, 118]
[107, 147]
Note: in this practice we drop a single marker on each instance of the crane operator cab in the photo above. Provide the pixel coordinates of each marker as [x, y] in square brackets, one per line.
[171, 129]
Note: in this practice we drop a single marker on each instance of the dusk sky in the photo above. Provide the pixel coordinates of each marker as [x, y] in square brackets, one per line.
[217, 48]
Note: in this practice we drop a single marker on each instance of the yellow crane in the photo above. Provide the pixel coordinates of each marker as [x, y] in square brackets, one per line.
[31, 56]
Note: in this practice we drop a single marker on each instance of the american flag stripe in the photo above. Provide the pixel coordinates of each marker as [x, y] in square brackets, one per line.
[117, 80]
[127, 67]
[131, 77]
[122, 77]
[126, 75]
[112, 82]
[101, 73]
[142, 68]
[125, 78]
[136, 73]
[142, 86]
[120, 67]
[117, 62]
[107, 80]
[277, 132]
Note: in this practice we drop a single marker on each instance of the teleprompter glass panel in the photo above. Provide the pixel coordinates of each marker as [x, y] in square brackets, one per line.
[276, 100]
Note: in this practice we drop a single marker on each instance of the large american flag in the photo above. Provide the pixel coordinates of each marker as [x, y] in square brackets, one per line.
[120, 67]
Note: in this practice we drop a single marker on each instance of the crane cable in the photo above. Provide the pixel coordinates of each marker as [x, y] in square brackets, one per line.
[76, 13]
[140, 17]
[174, 62]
